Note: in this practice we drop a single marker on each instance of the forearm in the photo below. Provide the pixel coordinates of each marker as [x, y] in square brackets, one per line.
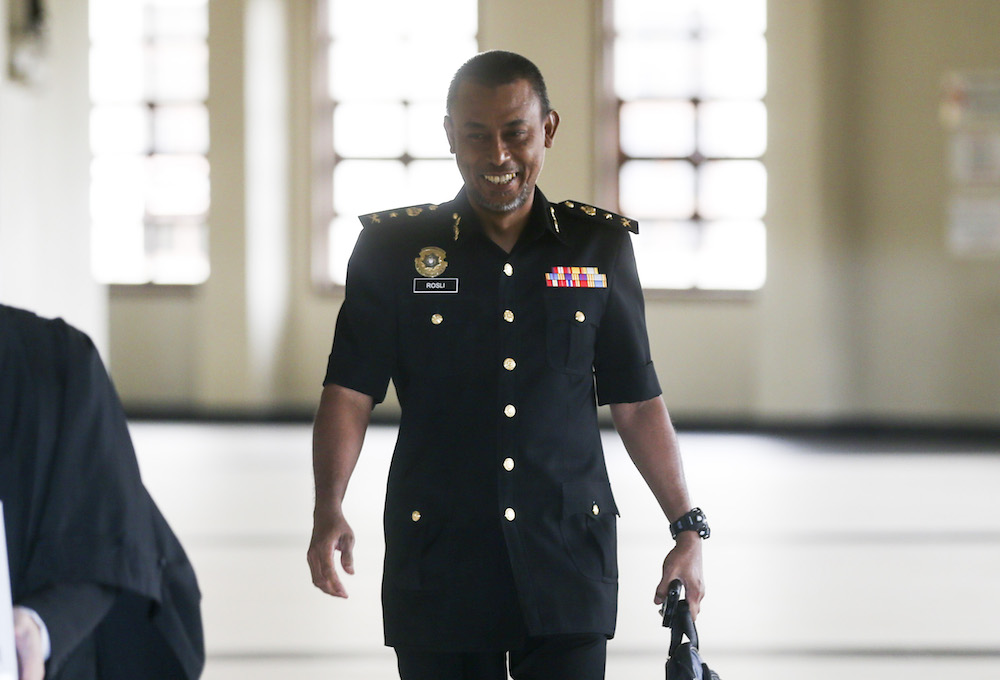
[651, 442]
[338, 434]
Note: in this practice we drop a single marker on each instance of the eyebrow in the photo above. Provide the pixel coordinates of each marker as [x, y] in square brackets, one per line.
[514, 123]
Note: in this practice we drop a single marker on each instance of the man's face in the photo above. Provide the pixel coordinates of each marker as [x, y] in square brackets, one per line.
[499, 137]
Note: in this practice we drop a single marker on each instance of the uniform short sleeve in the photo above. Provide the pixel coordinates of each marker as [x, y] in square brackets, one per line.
[363, 352]
[623, 366]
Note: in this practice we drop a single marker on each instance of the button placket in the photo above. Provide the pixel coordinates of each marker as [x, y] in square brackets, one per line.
[507, 381]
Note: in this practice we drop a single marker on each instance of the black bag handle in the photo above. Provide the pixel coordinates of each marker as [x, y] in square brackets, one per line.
[680, 625]
[684, 660]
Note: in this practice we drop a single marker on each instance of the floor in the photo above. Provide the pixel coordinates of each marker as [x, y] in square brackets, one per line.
[829, 559]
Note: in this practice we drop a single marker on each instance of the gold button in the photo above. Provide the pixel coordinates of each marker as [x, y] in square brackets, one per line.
[508, 316]
[508, 269]
[509, 514]
[508, 464]
[436, 319]
[509, 364]
[596, 510]
[509, 410]
[580, 316]
[415, 515]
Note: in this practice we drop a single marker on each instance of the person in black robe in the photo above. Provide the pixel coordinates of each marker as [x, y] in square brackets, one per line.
[89, 552]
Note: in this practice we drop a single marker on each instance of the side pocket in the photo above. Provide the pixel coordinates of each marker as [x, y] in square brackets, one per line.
[589, 529]
[414, 528]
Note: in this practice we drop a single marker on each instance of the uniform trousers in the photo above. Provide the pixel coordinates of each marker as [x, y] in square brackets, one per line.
[552, 657]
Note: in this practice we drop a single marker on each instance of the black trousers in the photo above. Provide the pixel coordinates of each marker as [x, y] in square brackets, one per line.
[555, 657]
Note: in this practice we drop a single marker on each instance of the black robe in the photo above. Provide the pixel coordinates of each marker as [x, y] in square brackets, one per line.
[87, 546]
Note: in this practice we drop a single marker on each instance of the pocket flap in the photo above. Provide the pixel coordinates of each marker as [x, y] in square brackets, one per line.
[586, 497]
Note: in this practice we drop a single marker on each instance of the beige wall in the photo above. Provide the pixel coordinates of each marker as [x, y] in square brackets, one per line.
[865, 314]
[44, 171]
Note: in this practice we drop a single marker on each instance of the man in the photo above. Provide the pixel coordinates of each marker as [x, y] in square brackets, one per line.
[495, 315]
[102, 589]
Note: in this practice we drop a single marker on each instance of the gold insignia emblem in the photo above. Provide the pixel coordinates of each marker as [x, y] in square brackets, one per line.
[589, 210]
[413, 212]
[430, 262]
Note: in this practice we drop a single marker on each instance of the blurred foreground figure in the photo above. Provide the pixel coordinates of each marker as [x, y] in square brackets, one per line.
[101, 587]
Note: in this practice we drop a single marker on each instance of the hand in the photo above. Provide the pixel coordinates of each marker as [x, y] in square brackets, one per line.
[684, 562]
[330, 534]
[28, 642]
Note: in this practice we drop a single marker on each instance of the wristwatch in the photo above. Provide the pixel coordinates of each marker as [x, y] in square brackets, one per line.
[692, 520]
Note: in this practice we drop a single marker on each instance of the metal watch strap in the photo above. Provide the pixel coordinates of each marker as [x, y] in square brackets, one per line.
[693, 520]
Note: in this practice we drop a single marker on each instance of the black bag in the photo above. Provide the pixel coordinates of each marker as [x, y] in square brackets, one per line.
[684, 661]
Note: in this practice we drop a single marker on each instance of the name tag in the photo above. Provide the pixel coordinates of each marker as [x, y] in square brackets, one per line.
[435, 285]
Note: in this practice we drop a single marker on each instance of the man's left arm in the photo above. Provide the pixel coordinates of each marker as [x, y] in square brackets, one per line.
[651, 442]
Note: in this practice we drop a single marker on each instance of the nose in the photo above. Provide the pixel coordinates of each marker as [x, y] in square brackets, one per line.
[498, 153]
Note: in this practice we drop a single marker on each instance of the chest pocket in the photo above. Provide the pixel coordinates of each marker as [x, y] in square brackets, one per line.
[572, 320]
[438, 334]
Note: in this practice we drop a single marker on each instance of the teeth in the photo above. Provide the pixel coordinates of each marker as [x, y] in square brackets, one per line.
[500, 179]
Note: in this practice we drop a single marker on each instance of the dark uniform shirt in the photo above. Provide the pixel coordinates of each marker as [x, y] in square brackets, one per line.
[499, 517]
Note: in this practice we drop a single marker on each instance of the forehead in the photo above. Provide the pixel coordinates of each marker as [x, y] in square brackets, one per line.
[481, 104]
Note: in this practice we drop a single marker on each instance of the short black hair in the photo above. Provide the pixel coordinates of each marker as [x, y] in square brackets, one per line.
[498, 67]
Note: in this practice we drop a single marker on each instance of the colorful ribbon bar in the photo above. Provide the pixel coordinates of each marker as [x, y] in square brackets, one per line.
[576, 277]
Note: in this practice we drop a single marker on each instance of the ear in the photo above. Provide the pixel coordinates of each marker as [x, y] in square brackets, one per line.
[550, 124]
[449, 130]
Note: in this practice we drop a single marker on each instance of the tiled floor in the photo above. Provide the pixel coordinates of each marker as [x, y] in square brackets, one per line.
[828, 560]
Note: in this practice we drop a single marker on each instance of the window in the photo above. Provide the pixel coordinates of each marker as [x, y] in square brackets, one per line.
[382, 145]
[149, 137]
[689, 79]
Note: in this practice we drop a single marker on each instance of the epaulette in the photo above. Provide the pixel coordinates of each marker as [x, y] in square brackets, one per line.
[598, 214]
[400, 214]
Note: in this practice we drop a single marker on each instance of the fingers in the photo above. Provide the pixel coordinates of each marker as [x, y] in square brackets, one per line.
[321, 563]
[660, 595]
[684, 563]
[695, 592]
[347, 553]
[28, 642]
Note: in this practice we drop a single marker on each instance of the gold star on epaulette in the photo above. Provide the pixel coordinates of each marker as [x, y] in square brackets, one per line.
[605, 216]
[411, 211]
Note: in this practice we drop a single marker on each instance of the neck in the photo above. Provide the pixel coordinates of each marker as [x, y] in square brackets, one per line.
[504, 228]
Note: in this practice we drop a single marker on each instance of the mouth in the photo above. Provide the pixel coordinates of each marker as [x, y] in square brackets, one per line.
[500, 179]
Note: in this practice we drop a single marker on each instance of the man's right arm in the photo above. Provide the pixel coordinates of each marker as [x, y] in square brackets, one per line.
[338, 433]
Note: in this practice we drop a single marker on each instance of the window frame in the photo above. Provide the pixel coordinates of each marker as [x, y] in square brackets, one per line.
[154, 224]
[325, 157]
[611, 157]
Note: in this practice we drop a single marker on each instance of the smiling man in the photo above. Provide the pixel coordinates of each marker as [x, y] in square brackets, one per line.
[502, 320]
